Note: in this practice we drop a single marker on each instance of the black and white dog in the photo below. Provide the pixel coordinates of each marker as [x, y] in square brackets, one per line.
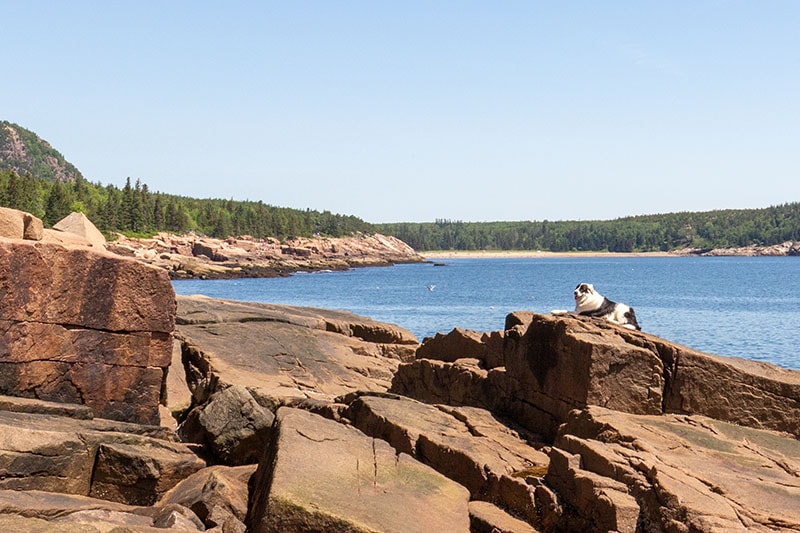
[589, 302]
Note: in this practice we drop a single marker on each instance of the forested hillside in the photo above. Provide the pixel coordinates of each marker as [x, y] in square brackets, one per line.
[711, 229]
[36, 178]
[134, 209]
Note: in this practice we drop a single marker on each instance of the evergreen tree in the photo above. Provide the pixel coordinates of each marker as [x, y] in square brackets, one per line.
[59, 203]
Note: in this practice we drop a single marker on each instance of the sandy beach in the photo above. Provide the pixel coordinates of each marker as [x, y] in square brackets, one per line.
[493, 254]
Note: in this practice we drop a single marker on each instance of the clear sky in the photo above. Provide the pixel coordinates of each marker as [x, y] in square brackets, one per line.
[418, 110]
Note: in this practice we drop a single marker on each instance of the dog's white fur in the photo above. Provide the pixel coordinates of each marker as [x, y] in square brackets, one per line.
[589, 302]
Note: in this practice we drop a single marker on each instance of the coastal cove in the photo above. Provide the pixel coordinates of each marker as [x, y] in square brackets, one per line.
[732, 306]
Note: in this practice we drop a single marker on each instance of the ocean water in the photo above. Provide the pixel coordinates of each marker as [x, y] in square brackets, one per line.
[736, 306]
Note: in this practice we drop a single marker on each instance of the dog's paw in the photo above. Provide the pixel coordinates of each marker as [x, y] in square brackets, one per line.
[559, 312]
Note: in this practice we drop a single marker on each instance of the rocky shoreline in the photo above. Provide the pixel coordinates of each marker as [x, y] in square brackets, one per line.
[127, 409]
[195, 256]
[788, 248]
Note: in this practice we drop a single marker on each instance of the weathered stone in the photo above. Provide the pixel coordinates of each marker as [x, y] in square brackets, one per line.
[284, 353]
[14, 523]
[105, 519]
[485, 517]
[599, 503]
[748, 393]
[79, 326]
[117, 375]
[468, 445]
[84, 288]
[560, 364]
[686, 473]
[140, 474]
[325, 476]
[174, 516]
[15, 224]
[34, 229]
[50, 505]
[178, 397]
[233, 426]
[215, 494]
[14, 404]
[459, 383]
[458, 344]
[26, 511]
[192, 256]
[554, 364]
[58, 454]
[78, 224]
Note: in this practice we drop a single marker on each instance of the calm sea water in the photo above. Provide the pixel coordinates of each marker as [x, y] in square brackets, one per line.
[739, 306]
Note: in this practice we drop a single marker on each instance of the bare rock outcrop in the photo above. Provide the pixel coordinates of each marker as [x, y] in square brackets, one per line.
[82, 326]
[555, 423]
[231, 424]
[552, 365]
[674, 473]
[467, 444]
[110, 460]
[217, 495]
[196, 256]
[284, 354]
[324, 476]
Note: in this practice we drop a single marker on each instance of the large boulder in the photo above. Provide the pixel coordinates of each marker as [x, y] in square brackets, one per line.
[78, 224]
[231, 424]
[320, 475]
[82, 326]
[283, 354]
[15, 224]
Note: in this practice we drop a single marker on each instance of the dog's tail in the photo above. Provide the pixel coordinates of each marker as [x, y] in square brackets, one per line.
[630, 316]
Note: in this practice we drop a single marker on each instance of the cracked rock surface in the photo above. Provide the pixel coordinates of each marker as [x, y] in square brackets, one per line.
[285, 353]
[321, 475]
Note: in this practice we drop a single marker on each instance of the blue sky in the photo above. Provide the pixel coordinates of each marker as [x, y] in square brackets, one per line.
[413, 111]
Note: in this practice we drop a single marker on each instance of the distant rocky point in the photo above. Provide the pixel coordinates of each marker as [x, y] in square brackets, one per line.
[196, 256]
[788, 248]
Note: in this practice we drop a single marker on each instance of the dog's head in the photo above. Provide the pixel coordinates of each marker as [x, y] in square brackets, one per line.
[586, 296]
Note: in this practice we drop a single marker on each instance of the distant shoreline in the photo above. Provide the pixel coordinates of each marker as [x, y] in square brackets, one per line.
[494, 254]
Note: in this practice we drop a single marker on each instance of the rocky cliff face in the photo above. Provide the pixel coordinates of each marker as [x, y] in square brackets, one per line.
[24, 152]
[80, 326]
[320, 420]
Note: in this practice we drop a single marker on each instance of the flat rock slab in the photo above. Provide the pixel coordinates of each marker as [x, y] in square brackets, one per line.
[686, 471]
[324, 476]
[283, 352]
[467, 444]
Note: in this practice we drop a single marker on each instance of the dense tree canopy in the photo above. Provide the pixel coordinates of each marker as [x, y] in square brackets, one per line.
[712, 229]
[134, 209]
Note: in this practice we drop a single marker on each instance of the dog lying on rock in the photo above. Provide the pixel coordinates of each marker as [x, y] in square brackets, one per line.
[589, 302]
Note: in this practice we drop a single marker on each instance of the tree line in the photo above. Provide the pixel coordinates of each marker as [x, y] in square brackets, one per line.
[702, 230]
[135, 210]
